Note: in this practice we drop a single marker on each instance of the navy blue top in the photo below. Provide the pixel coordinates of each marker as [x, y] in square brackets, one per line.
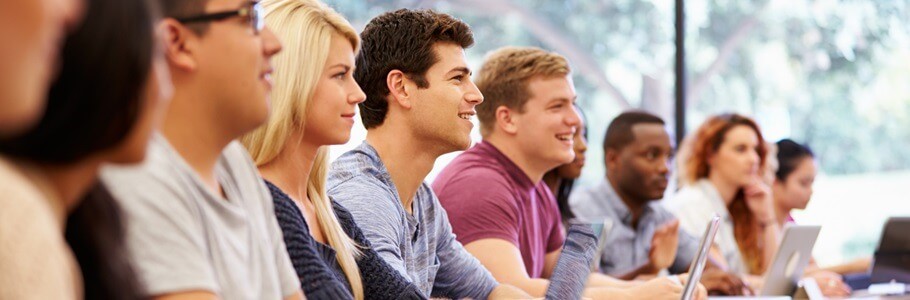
[321, 277]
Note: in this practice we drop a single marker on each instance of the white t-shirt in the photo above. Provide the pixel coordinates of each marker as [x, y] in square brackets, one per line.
[182, 237]
[694, 205]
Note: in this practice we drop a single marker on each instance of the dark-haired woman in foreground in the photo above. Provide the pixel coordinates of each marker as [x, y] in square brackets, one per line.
[110, 94]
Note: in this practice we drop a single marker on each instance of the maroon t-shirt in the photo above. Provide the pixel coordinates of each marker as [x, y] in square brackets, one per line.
[487, 196]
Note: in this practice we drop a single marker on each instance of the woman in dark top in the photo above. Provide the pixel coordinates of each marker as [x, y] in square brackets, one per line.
[561, 180]
[313, 105]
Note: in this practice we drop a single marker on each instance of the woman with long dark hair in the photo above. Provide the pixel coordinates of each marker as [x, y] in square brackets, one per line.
[111, 92]
[561, 180]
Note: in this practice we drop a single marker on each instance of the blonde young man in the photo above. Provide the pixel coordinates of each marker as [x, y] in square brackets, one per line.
[499, 206]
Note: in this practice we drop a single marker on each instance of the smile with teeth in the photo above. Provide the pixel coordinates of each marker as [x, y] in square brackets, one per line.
[564, 137]
[466, 116]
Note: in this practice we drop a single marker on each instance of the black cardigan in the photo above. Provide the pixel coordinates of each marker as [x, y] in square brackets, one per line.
[320, 274]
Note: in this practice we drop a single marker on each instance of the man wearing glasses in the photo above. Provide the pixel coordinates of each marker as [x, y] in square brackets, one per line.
[199, 219]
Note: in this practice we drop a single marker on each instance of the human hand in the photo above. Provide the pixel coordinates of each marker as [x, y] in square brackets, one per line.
[701, 293]
[718, 282]
[759, 200]
[661, 288]
[663, 245]
[830, 283]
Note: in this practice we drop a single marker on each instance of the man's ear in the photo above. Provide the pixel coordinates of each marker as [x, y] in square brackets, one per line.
[179, 44]
[611, 158]
[399, 88]
[506, 119]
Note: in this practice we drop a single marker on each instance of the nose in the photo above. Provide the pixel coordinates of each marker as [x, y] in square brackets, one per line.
[357, 96]
[271, 45]
[582, 145]
[473, 96]
[572, 118]
[663, 166]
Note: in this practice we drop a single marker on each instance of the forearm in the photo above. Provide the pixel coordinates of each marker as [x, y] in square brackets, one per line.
[771, 236]
[533, 286]
[607, 293]
[856, 266]
[505, 291]
[645, 269]
[596, 280]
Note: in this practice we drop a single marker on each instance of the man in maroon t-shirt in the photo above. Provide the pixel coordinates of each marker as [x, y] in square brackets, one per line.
[498, 206]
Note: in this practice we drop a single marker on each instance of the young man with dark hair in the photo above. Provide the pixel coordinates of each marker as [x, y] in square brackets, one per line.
[646, 237]
[200, 219]
[498, 204]
[420, 98]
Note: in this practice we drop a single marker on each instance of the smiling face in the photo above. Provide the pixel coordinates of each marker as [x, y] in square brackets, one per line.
[236, 60]
[334, 103]
[572, 170]
[442, 112]
[546, 128]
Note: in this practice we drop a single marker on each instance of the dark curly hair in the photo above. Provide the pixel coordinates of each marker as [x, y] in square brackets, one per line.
[402, 40]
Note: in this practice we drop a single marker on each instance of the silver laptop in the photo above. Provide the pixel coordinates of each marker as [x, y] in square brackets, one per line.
[791, 258]
[701, 258]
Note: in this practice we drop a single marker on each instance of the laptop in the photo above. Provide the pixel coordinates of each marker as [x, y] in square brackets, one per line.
[701, 258]
[583, 241]
[786, 269]
[892, 258]
[791, 258]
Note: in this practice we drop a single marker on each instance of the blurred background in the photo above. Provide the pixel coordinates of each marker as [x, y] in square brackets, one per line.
[833, 74]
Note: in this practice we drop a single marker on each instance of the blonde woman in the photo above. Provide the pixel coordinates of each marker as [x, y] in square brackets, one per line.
[313, 106]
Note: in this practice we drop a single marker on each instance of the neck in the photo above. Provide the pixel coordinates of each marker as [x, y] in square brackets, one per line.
[552, 180]
[405, 157]
[782, 214]
[290, 170]
[725, 188]
[533, 167]
[196, 137]
[69, 183]
[635, 206]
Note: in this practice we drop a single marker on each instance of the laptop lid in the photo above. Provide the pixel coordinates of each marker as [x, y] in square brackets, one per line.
[892, 258]
[701, 258]
[791, 258]
[573, 266]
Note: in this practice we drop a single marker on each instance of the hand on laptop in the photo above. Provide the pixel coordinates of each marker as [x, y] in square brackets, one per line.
[661, 288]
[718, 282]
[664, 245]
[831, 284]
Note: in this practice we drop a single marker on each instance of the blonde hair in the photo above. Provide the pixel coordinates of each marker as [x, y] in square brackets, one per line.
[306, 28]
[503, 79]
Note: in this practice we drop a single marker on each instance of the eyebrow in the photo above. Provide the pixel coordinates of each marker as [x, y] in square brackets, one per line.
[460, 70]
[570, 100]
[346, 66]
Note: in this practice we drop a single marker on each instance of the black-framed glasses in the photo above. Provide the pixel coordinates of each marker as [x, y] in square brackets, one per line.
[250, 10]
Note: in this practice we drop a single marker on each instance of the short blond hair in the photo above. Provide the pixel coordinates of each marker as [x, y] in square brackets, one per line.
[503, 79]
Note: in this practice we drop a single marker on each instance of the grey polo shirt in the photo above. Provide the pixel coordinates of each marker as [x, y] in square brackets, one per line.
[627, 247]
